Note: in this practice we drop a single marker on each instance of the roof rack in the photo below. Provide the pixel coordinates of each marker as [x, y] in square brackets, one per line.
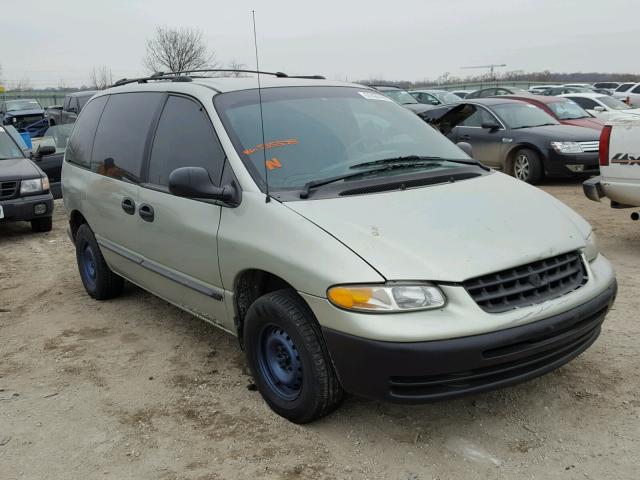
[182, 77]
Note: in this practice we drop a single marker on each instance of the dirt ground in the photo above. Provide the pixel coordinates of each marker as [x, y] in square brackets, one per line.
[136, 389]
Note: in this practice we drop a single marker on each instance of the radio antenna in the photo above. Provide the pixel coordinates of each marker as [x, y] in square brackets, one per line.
[264, 147]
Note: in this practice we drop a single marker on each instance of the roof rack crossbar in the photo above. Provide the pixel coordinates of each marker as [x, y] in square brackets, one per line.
[181, 75]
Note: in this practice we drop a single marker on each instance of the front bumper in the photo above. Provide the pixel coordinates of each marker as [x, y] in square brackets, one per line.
[593, 189]
[22, 209]
[563, 165]
[418, 372]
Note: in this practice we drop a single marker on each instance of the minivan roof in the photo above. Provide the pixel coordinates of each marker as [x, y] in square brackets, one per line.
[228, 84]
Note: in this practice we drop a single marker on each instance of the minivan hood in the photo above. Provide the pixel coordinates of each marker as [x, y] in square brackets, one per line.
[450, 232]
[18, 169]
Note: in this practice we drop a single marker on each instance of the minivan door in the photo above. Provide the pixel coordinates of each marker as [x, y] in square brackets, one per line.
[112, 201]
[178, 236]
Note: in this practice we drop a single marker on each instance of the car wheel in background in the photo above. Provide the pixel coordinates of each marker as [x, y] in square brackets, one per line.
[527, 166]
[288, 359]
[98, 279]
[42, 224]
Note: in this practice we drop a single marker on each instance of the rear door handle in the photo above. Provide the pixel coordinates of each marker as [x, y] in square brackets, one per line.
[146, 212]
[465, 137]
[128, 205]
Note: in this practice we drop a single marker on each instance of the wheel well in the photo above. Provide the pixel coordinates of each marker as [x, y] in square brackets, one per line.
[512, 155]
[249, 286]
[75, 220]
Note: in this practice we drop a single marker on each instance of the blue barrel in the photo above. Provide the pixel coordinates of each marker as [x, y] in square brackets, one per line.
[27, 139]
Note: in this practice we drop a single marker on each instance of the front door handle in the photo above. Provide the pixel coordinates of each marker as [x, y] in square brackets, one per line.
[128, 205]
[146, 212]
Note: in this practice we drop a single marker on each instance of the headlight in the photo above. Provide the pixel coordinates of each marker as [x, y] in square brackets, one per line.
[591, 248]
[566, 147]
[386, 298]
[33, 186]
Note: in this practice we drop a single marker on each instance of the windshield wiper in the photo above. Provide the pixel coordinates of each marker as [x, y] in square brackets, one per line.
[304, 193]
[417, 159]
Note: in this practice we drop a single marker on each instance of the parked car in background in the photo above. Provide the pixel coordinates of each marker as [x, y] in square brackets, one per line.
[401, 97]
[68, 112]
[496, 92]
[619, 178]
[538, 89]
[431, 277]
[518, 138]
[608, 86]
[54, 143]
[602, 106]
[621, 92]
[24, 187]
[630, 94]
[553, 91]
[26, 115]
[462, 93]
[434, 97]
[563, 110]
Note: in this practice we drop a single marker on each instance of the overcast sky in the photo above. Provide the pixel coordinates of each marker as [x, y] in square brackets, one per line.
[54, 41]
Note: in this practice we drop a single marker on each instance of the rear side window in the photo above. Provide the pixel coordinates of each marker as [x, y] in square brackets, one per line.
[122, 133]
[184, 138]
[586, 103]
[81, 141]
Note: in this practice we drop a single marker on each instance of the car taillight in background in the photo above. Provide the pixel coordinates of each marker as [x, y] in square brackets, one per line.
[605, 137]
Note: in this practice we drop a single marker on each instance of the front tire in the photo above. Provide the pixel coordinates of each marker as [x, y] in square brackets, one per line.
[288, 358]
[98, 279]
[527, 166]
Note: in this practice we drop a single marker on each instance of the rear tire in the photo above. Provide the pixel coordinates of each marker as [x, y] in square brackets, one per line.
[527, 166]
[42, 224]
[288, 358]
[98, 279]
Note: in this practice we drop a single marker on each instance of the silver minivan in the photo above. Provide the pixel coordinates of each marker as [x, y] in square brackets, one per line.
[347, 244]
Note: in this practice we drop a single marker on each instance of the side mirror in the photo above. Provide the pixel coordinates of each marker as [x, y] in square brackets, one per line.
[44, 150]
[194, 182]
[466, 148]
[491, 126]
[599, 109]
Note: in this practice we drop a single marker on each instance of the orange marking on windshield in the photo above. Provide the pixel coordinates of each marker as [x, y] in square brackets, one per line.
[273, 163]
[267, 146]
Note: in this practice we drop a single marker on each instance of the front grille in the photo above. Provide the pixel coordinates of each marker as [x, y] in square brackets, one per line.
[528, 284]
[8, 189]
[26, 121]
[590, 146]
[534, 356]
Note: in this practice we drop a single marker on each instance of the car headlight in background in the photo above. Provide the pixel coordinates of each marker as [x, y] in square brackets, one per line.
[388, 298]
[566, 147]
[34, 186]
[591, 248]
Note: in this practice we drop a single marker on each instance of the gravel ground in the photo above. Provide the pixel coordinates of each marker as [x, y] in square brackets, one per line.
[136, 389]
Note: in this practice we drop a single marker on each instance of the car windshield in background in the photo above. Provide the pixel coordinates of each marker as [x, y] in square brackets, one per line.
[520, 115]
[567, 110]
[17, 105]
[314, 133]
[8, 148]
[401, 96]
[446, 97]
[614, 103]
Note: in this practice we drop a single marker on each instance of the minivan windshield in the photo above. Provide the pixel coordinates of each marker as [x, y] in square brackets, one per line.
[523, 115]
[8, 148]
[313, 133]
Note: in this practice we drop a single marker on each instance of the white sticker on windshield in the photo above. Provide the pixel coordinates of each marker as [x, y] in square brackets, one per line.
[375, 96]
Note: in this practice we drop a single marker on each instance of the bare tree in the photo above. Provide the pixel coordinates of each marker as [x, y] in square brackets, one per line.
[100, 78]
[178, 49]
[235, 65]
[20, 85]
